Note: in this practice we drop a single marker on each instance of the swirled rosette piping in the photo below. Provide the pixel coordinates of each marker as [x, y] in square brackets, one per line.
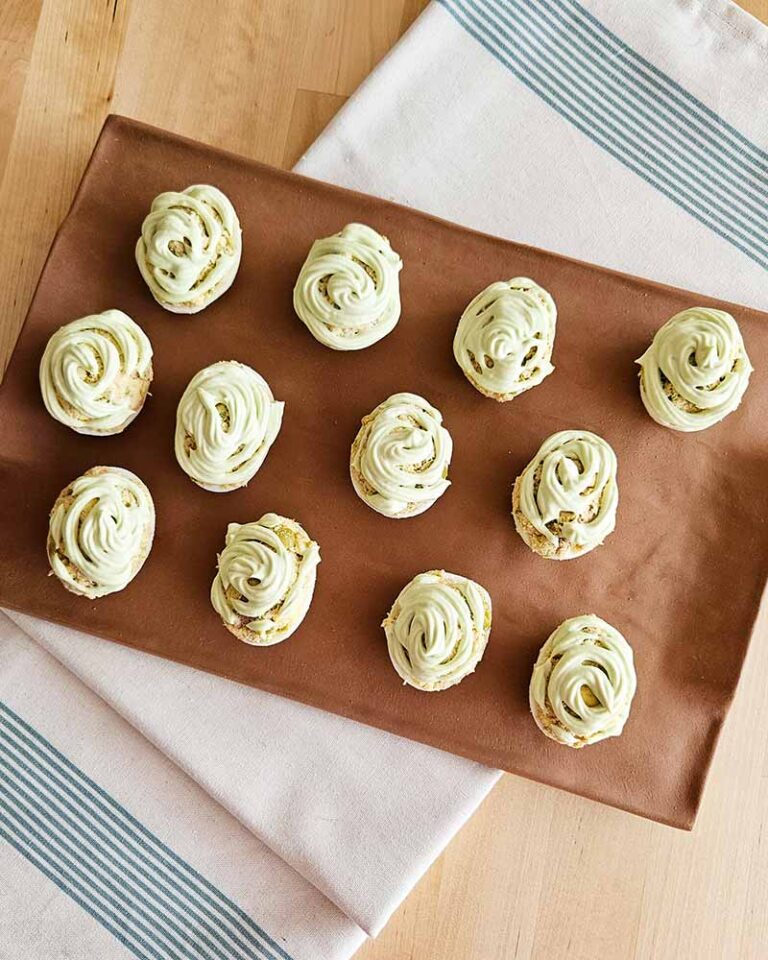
[226, 421]
[695, 371]
[583, 682]
[504, 339]
[348, 291]
[95, 373]
[400, 457]
[564, 502]
[100, 531]
[437, 629]
[265, 579]
[190, 247]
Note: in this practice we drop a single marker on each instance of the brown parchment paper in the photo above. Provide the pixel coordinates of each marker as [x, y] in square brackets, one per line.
[681, 577]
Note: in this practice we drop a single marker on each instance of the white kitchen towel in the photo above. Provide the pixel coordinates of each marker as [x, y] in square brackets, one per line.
[113, 852]
[630, 134]
[357, 812]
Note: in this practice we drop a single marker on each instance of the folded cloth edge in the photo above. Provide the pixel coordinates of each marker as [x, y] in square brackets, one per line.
[371, 923]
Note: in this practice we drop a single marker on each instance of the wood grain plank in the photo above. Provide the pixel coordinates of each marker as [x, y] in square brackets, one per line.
[65, 99]
[758, 8]
[225, 73]
[370, 28]
[321, 61]
[411, 10]
[311, 114]
[348, 38]
[18, 23]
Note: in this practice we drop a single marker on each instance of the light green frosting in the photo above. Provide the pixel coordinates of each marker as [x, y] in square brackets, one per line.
[504, 339]
[190, 247]
[95, 372]
[569, 492]
[695, 371]
[437, 629]
[100, 531]
[400, 457]
[226, 421]
[266, 578]
[583, 682]
[348, 291]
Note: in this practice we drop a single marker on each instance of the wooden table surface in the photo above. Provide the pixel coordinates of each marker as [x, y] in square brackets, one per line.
[536, 873]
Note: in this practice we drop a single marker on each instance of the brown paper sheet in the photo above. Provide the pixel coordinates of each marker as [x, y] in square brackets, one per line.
[681, 577]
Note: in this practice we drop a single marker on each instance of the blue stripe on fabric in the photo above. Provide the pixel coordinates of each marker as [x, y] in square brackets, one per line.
[666, 85]
[577, 99]
[547, 21]
[94, 859]
[594, 80]
[640, 159]
[104, 804]
[147, 896]
[617, 58]
[113, 851]
[672, 130]
[63, 883]
[40, 843]
[86, 862]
